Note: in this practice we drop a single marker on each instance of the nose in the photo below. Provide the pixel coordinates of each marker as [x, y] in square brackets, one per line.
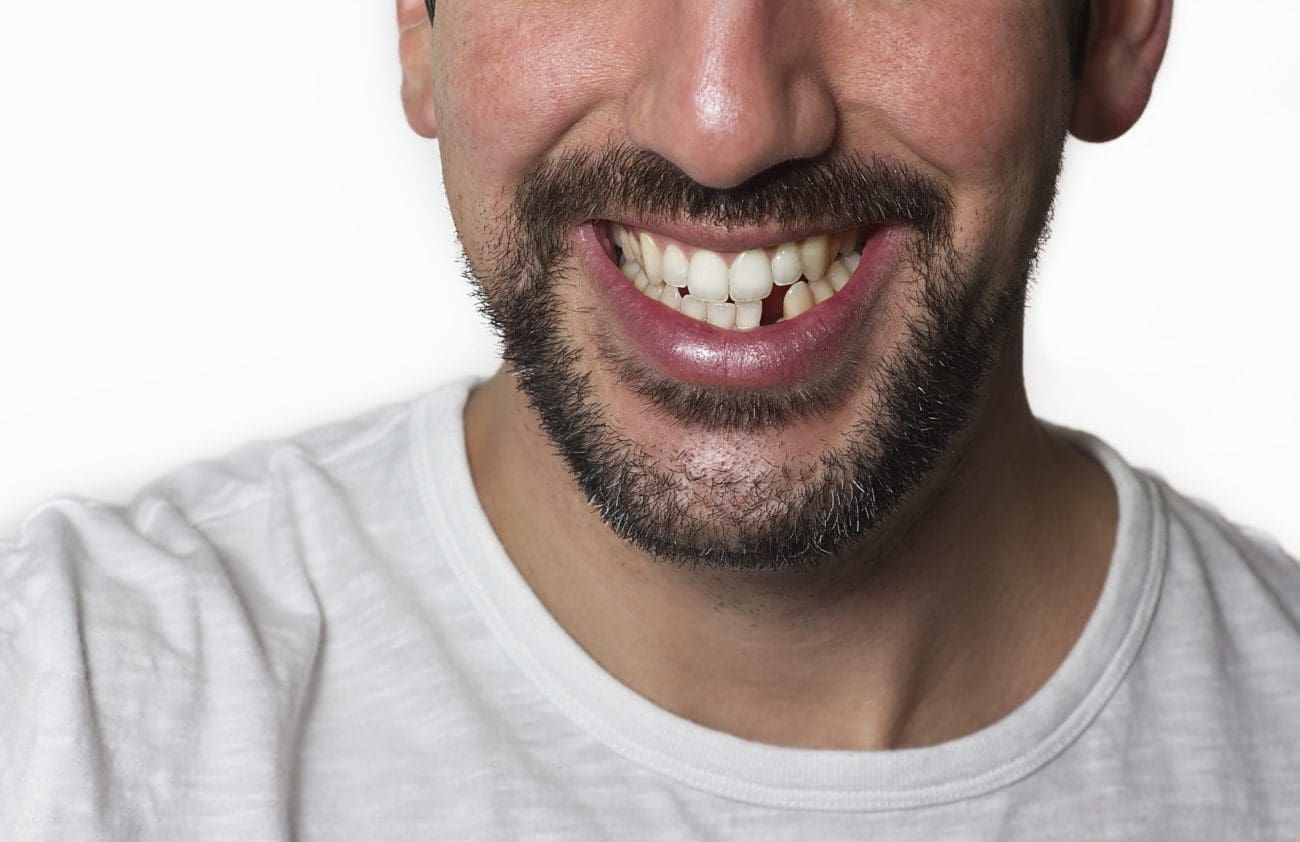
[732, 88]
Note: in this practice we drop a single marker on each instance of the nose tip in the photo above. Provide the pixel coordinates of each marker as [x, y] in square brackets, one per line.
[735, 93]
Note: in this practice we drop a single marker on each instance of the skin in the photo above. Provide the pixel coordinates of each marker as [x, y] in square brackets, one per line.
[979, 585]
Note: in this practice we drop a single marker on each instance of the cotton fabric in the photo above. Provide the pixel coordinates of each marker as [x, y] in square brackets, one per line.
[321, 638]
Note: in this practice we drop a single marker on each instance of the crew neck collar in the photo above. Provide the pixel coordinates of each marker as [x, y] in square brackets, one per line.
[779, 776]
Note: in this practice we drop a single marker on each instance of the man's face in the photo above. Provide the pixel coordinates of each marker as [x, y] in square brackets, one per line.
[744, 145]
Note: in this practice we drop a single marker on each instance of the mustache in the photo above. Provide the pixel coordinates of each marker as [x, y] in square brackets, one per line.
[622, 181]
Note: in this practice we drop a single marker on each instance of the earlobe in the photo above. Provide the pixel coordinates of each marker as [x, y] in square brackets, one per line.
[1125, 48]
[415, 46]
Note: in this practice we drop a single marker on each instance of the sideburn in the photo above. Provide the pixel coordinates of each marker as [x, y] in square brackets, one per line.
[1080, 29]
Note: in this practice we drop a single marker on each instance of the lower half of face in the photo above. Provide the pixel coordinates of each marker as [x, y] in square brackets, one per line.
[760, 407]
[758, 377]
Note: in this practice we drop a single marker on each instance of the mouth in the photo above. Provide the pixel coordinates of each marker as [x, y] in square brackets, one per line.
[751, 311]
[738, 290]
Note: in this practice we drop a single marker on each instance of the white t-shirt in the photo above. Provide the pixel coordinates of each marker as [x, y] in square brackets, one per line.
[322, 639]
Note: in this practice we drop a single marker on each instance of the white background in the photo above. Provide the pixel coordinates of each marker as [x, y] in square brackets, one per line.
[215, 226]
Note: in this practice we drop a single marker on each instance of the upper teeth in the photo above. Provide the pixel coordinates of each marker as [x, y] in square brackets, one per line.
[727, 291]
[751, 276]
[707, 279]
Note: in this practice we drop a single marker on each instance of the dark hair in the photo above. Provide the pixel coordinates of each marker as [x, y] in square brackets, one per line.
[428, 4]
[1079, 30]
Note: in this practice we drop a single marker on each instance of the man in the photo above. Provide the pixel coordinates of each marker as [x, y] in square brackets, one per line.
[754, 535]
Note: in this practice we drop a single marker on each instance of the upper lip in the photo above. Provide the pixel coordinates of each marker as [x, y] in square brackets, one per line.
[730, 239]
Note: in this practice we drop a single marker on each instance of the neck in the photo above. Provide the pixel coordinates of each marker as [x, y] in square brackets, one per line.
[931, 630]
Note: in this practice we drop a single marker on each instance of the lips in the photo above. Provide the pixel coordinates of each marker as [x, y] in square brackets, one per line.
[772, 355]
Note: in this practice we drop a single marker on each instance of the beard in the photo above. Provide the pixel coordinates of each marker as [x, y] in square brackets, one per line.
[758, 515]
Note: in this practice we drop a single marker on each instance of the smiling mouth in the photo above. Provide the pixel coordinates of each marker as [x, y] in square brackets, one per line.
[764, 311]
[738, 290]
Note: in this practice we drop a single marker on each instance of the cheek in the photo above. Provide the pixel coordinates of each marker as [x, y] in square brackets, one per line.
[969, 87]
[975, 90]
[512, 79]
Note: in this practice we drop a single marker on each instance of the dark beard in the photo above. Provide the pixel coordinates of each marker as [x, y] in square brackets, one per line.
[774, 516]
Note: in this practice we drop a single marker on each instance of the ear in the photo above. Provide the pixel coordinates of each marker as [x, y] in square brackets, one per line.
[1126, 44]
[415, 44]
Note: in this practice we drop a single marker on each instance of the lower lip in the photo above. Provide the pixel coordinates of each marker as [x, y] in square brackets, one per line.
[772, 355]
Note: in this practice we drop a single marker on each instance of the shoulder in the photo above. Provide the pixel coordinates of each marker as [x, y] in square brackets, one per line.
[1225, 598]
[165, 525]
[1201, 553]
[183, 629]
[81, 574]
[222, 543]
[1226, 635]
[229, 518]
[1242, 567]
[1222, 672]
[1207, 673]
[215, 529]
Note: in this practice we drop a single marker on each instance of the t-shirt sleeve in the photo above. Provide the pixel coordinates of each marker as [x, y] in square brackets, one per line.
[137, 667]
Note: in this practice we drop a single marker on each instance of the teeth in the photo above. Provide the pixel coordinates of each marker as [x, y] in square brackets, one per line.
[815, 255]
[633, 245]
[651, 260]
[695, 308]
[721, 315]
[708, 276]
[676, 266]
[798, 300]
[751, 276]
[832, 247]
[748, 314]
[786, 265]
[813, 269]
[838, 274]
